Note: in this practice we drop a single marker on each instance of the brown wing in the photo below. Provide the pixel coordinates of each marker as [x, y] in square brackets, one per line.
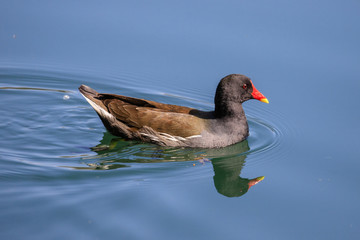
[166, 118]
[147, 103]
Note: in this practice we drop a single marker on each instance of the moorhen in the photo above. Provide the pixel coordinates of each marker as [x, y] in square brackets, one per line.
[178, 126]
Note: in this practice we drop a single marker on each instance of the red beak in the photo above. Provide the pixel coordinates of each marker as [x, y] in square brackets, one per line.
[254, 181]
[258, 95]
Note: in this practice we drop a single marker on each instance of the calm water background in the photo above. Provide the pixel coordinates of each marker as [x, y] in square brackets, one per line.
[63, 177]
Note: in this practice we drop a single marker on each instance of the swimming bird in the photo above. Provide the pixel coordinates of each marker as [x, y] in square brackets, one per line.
[178, 126]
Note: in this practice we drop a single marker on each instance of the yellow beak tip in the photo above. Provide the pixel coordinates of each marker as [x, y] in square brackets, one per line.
[260, 178]
[264, 100]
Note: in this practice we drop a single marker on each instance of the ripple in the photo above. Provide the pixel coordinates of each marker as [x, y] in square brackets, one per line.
[63, 129]
[263, 136]
[51, 133]
[36, 89]
[269, 135]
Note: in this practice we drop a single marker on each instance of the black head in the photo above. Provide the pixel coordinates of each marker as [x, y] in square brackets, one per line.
[233, 90]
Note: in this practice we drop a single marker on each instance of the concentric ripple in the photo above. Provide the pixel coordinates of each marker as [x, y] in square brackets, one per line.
[47, 123]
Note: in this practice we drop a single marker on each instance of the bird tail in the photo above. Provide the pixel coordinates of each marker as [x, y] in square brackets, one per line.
[114, 126]
[91, 97]
[87, 91]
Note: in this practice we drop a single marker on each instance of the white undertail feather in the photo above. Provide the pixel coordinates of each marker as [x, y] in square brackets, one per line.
[99, 110]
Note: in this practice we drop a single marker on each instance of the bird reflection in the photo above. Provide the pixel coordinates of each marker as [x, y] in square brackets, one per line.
[227, 180]
[227, 162]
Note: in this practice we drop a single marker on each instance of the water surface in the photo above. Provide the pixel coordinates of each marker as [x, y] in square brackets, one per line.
[63, 176]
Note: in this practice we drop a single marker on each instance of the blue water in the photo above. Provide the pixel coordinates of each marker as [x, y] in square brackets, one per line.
[62, 176]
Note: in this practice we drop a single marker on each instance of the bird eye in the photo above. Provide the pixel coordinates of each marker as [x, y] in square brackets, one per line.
[244, 86]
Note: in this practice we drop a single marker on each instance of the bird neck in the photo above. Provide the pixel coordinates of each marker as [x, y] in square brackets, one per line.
[229, 110]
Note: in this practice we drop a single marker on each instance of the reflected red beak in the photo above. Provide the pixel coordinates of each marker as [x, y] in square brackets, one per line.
[254, 181]
[258, 95]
